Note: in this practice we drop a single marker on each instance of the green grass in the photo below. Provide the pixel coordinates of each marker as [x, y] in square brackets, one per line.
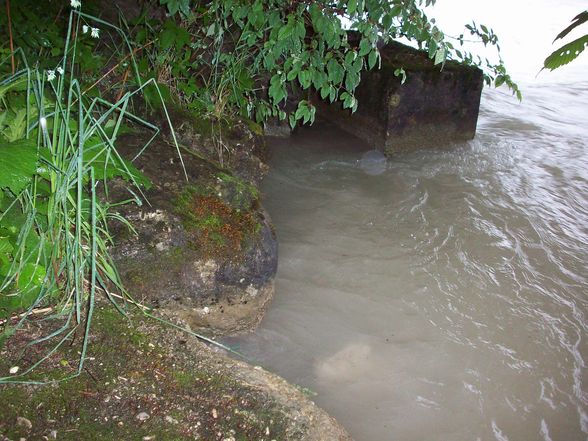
[54, 214]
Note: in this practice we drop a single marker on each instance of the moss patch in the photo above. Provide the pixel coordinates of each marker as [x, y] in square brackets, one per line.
[220, 214]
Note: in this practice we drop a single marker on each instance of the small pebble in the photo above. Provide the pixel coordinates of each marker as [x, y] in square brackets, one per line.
[214, 414]
[171, 420]
[24, 423]
[148, 437]
[143, 416]
[13, 370]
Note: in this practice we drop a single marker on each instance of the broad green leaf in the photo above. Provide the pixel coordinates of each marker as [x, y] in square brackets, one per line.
[107, 165]
[18, 162]
[30, 277]
[5, 246]
[16, 125]
[364, 47]
[304, 77]
[566, 53]
[440, 56]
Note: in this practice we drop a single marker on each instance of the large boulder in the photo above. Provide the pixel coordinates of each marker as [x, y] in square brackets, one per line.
[434, 107]
[204, 248]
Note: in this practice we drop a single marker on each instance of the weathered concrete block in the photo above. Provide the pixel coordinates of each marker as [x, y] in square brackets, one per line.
[433, 108]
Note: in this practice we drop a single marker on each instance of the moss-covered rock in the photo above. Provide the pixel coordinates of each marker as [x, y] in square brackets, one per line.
[204, 246]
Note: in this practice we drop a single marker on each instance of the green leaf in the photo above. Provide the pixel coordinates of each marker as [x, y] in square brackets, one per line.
[16, 124]
[175, 6]
[276, 91]
[173, 35]
[18, 162]
[335, 71]
[351, 80]
[364, 47]
[107, 165]
[440, 55]
[566, 53]
[5, 246]
[305, 78]
[350, 57]
[373, 58]
[577, 21]
[292, 74]
[30, 277]
[400, 72]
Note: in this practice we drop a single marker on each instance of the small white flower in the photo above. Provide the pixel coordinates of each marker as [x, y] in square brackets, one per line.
[85, 29]
[95, 33]
[59, 70]
[13, 370]
[50, 75]
[75, 3]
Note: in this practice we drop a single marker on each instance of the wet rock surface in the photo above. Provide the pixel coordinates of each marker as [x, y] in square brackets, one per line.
[435, 106]
[203, 245]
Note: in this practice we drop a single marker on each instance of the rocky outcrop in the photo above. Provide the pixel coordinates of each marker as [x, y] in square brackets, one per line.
[433, 108]
[203, 247]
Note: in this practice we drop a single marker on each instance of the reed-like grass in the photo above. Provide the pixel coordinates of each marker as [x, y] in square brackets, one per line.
[66, 264]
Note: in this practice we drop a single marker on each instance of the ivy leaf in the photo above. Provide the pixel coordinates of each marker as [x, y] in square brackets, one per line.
[18, 163]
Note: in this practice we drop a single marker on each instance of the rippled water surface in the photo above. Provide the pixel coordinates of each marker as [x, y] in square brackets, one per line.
[447, 297]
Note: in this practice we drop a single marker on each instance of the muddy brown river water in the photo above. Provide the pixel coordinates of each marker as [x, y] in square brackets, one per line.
[443, 296]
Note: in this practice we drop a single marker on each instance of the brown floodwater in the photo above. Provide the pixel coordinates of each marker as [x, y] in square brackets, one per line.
[439, 294]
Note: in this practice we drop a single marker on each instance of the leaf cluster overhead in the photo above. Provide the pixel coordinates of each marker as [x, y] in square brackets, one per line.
[267, 49]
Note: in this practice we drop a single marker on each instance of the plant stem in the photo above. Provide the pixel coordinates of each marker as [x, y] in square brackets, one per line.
[11, 39]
